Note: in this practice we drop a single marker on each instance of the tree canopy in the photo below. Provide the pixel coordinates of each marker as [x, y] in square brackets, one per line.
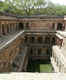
[30, 7]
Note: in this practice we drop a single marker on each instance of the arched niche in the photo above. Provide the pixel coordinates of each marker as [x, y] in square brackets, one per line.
[47, 39]
[60, 26]
[27, 25]
[53, 41]
[3, 29]
[32, 39]
[21, 26]
[53, 26]
[40, 39]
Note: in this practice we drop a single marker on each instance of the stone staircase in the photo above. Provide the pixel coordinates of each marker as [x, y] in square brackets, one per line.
[33, 76]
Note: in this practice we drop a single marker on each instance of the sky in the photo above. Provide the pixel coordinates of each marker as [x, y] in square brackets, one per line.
[62, 2]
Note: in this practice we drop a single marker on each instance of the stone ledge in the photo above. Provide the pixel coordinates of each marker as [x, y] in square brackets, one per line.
[33, 76]
[10, 40]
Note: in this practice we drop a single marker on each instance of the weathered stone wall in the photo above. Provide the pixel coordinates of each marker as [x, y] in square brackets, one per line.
[12, 50]
[40, 25]
[8, 54]
[43, 24]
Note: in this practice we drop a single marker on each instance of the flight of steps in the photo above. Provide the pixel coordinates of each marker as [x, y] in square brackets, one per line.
[19, 61]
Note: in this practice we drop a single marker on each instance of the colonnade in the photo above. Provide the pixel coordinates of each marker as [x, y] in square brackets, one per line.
[10, 27]
[40, 39]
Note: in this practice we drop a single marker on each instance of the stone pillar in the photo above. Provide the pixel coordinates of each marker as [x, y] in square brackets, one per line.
[55, 26]
[43, 39]
[16, 26]
[9, 28]
[5, 29]
[0, 29]
[36, 52]
[12, 28]
[65, 25]
[24, 25]
[36, 39]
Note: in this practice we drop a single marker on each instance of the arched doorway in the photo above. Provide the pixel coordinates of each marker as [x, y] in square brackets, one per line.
[7, 28]
[3, 29]
[21, 26]
[59, 26]
[27, 25]
[53, 41]
[39, 39]
[53, 26]
[32, 39]
[47, 39]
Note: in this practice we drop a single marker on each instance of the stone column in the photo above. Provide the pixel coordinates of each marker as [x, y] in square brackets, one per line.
[0, 29]
[5, 29]
[17, 26]
[65, 25]
[25, 26]
[12, 28]
[36, 39]
[36, 51]
[9, 28]
[55, 26]
[43, 39]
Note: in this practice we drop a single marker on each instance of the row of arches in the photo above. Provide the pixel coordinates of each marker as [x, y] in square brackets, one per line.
[39, 51]
[48, 39]
[13, 27]
[10, 28]
[59, 26]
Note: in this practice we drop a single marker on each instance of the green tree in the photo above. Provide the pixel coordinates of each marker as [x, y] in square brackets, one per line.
[27, 6]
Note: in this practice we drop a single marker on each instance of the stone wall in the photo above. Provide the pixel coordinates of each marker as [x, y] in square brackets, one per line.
[15, 51]
[9, 53]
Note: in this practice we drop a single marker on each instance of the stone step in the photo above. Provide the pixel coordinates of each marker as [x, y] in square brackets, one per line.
[33, 76]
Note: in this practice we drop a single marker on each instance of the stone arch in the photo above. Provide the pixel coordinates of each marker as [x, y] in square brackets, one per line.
[7, 28]
[53, 26]
[40, 39]
[21, 26]
[31, 51]
[32, 39]
[47, 39]
[39, 51]
[27, 25]
[59, 26]
[53, 41]
[3, 29]
[0, 29]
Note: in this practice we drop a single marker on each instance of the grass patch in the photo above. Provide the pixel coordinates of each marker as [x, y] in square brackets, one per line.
[39, 66]
[46, 68]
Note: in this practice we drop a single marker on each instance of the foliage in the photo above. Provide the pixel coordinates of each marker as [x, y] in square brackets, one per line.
[30, 7]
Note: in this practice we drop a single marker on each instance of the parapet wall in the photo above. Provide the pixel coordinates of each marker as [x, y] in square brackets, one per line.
[9, 51]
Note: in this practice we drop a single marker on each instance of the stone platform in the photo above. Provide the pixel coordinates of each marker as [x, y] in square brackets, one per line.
[33, 76]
